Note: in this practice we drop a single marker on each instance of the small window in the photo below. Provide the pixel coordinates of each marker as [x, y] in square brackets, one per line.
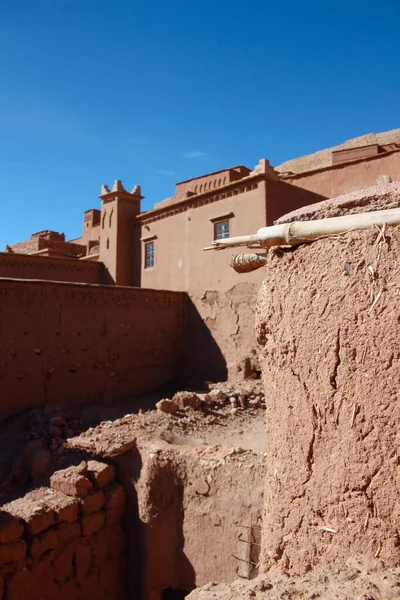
[149, 255]
[221, 230]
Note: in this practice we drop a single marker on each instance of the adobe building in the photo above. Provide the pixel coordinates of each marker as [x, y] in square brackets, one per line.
[162, 248]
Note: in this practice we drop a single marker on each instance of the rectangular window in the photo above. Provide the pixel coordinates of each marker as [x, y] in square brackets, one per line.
[221, 230]
[149, 255]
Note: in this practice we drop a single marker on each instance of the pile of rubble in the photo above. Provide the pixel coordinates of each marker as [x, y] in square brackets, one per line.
[55, 428]
[44, 447]
[36, 444]
[235, 396]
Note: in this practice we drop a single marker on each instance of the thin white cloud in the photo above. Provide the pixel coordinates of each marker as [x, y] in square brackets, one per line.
[194, 154]
[165, 172]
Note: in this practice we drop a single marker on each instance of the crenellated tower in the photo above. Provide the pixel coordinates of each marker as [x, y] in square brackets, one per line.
[118, 209]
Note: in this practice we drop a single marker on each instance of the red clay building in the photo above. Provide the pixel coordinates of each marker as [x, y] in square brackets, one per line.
[163, 248]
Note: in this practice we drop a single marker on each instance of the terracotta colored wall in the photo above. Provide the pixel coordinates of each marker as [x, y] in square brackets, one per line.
[185, 523]
[22, 266]
[66, 544]
[352, 176]
[221, 331]
[328, 330]
[181, 264]
[222, 302]
[282, 197]
[221, 311]
[67, 343]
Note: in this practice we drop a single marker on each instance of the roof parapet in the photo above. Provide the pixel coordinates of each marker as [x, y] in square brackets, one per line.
[264, 168]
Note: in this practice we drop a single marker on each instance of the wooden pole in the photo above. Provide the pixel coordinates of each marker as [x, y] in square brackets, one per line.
[299, 232]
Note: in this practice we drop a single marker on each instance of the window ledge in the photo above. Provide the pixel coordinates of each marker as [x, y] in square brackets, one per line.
[222, 218]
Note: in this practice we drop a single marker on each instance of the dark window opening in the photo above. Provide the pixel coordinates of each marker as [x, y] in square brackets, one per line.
[221, 230]
[149, 255]
[171, 594]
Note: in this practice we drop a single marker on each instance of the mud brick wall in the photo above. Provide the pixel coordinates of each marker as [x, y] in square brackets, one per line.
[195, 508]
[67, 541]
[65, 344]
[328, 329]
[23, 266]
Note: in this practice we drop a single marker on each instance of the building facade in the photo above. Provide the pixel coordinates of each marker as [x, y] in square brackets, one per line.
[162, 248]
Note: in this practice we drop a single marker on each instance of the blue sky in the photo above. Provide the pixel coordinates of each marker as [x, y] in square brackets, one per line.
[158, 91]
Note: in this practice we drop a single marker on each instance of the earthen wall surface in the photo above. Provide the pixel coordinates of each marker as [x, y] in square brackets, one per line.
[341, 179]
[23, 266]
[328, 330]
[283, 197]
[191, 512]
[65, 344]
[188, 522]
[67, 541]
[222, 302]
[179, 239]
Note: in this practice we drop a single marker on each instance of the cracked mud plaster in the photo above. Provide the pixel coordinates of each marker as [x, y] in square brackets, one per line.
[328, 336]
[229, 316]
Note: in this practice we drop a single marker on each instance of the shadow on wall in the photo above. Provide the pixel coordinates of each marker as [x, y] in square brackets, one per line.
[158, 566]
[202, 359]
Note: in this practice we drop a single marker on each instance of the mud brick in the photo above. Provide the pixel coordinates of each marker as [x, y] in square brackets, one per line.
[90, 587]
[68, 591]
[13, 567]
[101, 474]
[10, 528]
[65, 507]
[40, 544]
[66, 532]
[32, 510]
[72, 482]
[112, 578]
[115, 496]
[83, 559]
[99, 548]
[93, 523]
[12, 552]
[93, 503]
[115, 541]
[115, 515]
[64, 564]
[28, 585]
[42, 568]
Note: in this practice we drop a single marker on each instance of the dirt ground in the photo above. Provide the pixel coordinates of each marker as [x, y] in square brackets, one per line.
[34, 444]
[356, 580]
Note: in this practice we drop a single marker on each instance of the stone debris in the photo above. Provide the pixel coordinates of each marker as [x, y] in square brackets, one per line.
[167, 406]
[47, 442]
[187, 399]
[243, 395]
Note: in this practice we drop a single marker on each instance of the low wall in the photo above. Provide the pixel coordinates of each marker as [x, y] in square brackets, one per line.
[67, 541]
[65, 344]
[192, 514]
[192, 528]
[25, 266]
[328, 330]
